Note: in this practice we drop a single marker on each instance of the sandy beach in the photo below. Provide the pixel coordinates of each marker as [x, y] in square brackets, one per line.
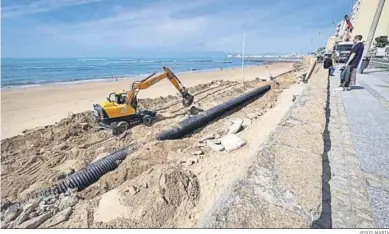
[32, 107]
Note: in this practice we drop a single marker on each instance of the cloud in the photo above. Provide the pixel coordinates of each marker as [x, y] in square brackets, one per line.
[179, 26]
[40, 6]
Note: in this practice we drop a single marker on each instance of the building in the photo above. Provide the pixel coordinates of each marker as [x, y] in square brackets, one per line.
[330, 44]
[364, 14]
[340, 31]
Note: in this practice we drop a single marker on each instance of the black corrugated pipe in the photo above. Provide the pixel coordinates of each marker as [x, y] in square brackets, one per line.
[190, 124]
[89, 174]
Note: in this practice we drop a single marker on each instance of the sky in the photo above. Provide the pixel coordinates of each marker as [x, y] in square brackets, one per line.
[161, 28]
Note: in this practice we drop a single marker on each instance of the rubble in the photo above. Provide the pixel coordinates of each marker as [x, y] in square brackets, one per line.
[214, 146]
[231, 142]
[236, 126]
[59, 218]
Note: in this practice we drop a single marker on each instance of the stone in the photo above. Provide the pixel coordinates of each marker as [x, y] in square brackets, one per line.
[236, 126]
[214, 146]
[252, 116]
[60, 217]
[232, 142]
[32, 215]
[63, 147]
[191, 161]
[42, 151]
[270, 105]
[35, 222]
[216, 141]
[5, 204]
[68, 201]
[198, 152]
[27, 209]
[246, 122]
[294, 98]
[12, 213]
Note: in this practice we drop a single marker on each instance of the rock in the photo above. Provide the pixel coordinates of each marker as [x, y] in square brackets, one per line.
[246, 122]
[270, 105]
[232, 142]
[236, 126]
[294, 98]
[259, 113]
[216, 141]
[63, 147]
[179, 151]
[198, 152]
[217, 135]
[32, 215]
[252, 115]
[207, 137]
[214, 146]
[42, 151]
[12, 213]
[5, 204]
[132, 190]
[191, 161]
[59, 218]
[67, 202]
[35, 222]
[27, 209]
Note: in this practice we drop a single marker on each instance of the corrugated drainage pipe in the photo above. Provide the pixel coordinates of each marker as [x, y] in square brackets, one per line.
[190, 124]
[88, 175]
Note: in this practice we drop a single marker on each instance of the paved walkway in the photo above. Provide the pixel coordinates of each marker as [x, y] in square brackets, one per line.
[359, 154]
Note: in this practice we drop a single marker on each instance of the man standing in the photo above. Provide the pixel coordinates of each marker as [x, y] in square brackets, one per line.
[353, 61]
[329, 65]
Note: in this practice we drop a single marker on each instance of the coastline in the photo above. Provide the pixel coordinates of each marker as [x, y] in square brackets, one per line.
[37, 106]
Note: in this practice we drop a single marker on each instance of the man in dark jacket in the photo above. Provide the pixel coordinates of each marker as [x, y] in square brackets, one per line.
[353, 61]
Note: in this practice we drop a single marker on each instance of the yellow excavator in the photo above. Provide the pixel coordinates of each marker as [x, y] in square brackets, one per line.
[120, 111]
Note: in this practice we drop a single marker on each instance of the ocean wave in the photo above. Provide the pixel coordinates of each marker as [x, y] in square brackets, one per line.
[91, 59]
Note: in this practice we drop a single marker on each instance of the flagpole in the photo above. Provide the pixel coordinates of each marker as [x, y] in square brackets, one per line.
[243, 59]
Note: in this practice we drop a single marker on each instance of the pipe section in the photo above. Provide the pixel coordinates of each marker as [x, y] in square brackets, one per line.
[190, 124]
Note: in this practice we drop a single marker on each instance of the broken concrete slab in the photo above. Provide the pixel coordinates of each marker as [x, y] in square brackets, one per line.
[12, 213]
[35, 222]
[246, 122]
[236, 126]
[214, 146]
[59, 218]
[232, 142]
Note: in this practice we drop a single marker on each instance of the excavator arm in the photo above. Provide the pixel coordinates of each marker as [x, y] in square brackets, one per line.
[151, 80]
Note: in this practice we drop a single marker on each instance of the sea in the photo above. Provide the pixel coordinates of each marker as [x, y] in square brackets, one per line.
[24, 72]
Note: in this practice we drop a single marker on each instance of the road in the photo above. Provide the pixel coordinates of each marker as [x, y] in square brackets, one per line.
[359, 156]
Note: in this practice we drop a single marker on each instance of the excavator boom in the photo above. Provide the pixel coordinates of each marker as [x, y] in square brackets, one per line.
[151, 80]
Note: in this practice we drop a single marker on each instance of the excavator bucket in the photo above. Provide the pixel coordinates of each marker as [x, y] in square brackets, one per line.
[187, 99]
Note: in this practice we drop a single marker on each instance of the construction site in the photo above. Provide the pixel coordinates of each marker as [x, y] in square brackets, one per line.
[75, 174]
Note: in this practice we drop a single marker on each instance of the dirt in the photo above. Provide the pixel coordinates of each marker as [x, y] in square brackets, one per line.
[161, 183]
